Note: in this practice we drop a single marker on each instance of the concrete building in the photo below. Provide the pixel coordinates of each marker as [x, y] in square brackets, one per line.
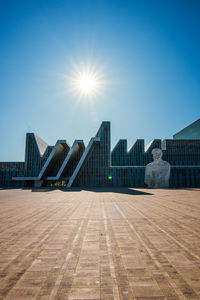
[192, 131]
[95, 165]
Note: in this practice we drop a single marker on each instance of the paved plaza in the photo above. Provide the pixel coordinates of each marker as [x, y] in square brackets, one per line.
[100, 244]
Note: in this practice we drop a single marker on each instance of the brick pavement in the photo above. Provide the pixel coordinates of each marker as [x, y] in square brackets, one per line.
[100, 244]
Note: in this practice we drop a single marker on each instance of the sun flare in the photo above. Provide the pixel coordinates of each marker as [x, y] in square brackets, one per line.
[86, 82]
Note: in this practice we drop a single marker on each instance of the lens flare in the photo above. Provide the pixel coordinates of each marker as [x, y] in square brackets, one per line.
[86, 81]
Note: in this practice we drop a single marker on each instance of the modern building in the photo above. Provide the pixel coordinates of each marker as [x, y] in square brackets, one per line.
[95, 165]
[192, 131]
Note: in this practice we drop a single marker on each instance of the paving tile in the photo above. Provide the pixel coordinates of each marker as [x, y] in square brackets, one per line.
[100, 245]
[23, 293]
[84, 293]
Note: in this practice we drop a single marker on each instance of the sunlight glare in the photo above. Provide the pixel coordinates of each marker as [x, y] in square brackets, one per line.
[86, 82]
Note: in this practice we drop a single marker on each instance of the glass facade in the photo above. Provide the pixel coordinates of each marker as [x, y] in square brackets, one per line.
[97, 166]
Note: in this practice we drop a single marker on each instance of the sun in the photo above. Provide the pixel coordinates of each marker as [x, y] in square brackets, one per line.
[86, 81]
[87, 84]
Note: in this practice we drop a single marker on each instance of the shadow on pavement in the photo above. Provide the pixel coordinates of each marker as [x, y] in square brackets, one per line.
[128, 191]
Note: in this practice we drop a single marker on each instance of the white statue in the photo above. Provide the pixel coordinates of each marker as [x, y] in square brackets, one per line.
[157, 172]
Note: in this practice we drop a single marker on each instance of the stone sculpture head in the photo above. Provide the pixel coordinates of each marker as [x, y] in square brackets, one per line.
[157, 153]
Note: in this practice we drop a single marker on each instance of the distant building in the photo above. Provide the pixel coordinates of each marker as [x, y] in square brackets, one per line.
[190, 132]
[97, 166]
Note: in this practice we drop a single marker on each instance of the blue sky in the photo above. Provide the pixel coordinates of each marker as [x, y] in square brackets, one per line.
[148, 53]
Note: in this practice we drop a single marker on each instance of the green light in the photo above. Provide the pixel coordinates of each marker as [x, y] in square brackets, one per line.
[109, 177]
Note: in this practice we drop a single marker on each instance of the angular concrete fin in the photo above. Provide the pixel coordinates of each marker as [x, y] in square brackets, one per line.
[42, 145]
[83, 159]
[55, 159]
[69, 164]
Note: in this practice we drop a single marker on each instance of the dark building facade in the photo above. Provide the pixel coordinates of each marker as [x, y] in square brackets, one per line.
[8, 170]
[97, 166]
